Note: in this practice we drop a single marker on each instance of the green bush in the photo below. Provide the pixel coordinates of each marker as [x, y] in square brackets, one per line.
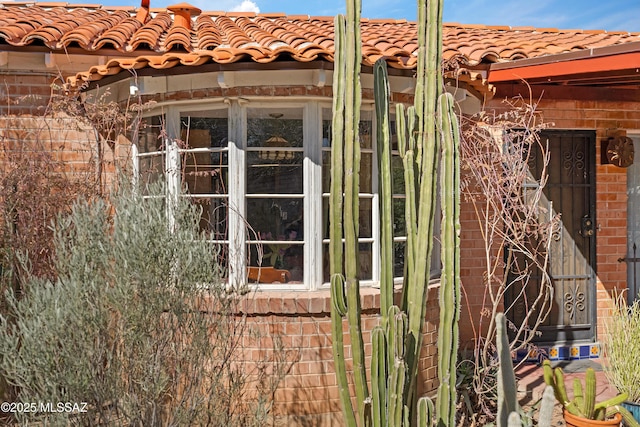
[139, 325]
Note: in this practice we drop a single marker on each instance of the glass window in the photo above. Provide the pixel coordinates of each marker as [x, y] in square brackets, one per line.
[399, 203]
[150, 146]
[265, 174]
[365, 196]
[204, 160]
[275, 195]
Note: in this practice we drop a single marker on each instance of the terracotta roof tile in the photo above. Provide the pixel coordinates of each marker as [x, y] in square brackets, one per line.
[226, 37]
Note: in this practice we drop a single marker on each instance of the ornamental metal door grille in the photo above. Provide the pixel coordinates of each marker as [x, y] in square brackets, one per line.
[570, 191]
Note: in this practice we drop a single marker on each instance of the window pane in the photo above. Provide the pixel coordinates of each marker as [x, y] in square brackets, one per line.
[205, 167]
[213, 218]
[149, 136]
[397, 174]
[276, 263]
[399, 221]
[366, 145]
[150, 140]
[365, 257]
[276, 219]
[205, 172]
[365, 218]
[366, 168]
[398, 258]
[274, 128]
[274, 176]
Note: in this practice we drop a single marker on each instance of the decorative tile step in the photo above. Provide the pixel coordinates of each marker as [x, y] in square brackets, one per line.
[559, 352]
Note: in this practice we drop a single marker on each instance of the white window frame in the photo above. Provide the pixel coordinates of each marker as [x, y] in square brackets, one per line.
[312, 116]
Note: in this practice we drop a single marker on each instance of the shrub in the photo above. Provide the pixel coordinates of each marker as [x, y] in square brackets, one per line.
[622, 347]
[138, 325]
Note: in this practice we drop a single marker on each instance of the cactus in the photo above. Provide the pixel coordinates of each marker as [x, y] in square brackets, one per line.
[426, 412]
[335, 231]
[383, 141]
[427, 125]
[450, 279]
[379, 377]
[510, 413]
[507, 392]
[583, 403]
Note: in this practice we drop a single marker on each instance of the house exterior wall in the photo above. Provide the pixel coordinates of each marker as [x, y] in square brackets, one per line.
[308, 395]
[600, 110]
[25, 93]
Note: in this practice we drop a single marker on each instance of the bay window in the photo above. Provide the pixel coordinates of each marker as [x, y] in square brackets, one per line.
[261, 174]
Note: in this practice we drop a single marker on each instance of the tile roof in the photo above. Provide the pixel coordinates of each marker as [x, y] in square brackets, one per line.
[160, 39]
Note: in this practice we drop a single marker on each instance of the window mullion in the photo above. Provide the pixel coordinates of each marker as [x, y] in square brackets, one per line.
[312, 128]
[237, 190]
[375, 207]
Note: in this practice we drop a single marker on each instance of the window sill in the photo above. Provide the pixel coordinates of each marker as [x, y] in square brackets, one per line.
[261, 302]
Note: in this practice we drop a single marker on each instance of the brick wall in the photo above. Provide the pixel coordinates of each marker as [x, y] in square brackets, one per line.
[26, 93]
[308, 395]
[577, 109]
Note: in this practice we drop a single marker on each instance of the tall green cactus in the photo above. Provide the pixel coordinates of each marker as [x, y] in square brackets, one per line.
[336, 260]
[345, 169]
[422, 130]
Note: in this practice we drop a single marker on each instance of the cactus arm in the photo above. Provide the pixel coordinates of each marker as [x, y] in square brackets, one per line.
[340, 368]
[352, 99]
[379, 377]
[450, 278]
[335, 218]
[338, 298]
[578, 395]
[562, 390]
[551, 379]
[506, 378]
[429, 77]
[589, 393]
[514, 420]
[383, 141]
[426, 412]
[407, 150]
[546, 407]
[337, 154]
[391, 333]
[613, 401]
[396, 388]
[627, 417]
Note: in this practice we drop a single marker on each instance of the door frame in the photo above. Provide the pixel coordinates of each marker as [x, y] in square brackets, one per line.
[557, 334]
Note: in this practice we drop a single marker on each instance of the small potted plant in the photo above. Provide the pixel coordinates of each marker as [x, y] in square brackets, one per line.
[621, 347]
[582, 410]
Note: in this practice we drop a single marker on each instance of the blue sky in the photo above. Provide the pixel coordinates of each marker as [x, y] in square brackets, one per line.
[567, 14]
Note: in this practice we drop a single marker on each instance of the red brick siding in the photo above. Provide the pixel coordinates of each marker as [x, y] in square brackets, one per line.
[309, 394]
[27, 93]
[601, 115]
